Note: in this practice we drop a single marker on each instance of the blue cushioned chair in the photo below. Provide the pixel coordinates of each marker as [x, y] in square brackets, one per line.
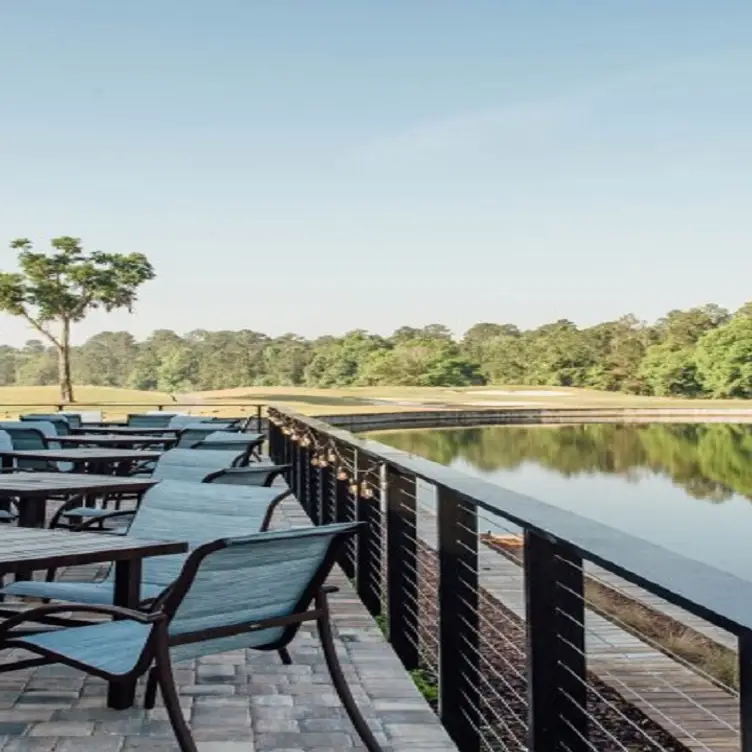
[60, 422]
[174, 464]
[233, 593]
[8, 515]
[157, 420]
[171, 510]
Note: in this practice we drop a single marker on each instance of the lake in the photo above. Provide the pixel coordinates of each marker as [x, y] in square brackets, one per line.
[685, 487]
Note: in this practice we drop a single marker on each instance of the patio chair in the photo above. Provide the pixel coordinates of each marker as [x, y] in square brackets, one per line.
[258, 474]
[234, 593]
[157, 420]
[75, 420]
[60, 422]
[171, 510]
[250, 443]
[6, 514]
[174, 464]
[31, 435]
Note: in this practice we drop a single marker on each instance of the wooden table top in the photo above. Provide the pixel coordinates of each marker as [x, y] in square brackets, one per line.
[83, 454]
[40, 549]
[114, 440]
[45, 484]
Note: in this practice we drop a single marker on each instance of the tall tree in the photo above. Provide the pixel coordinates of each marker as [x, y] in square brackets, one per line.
[54, 290]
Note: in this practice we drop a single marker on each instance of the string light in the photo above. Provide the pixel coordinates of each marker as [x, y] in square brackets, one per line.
[342, 474]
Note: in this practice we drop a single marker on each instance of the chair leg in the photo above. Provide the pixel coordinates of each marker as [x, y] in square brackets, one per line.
[338, 678]
[166, 681]
[150, 695]
[284, 654]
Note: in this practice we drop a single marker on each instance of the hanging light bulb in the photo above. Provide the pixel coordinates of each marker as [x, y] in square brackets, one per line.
[315, 461]
[332, 457]
[353, 488]
[341, 474]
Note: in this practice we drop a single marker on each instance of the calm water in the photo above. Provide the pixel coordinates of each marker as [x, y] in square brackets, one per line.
[685, 487]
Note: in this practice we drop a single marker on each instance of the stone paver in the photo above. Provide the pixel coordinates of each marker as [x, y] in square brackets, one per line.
[242, 701]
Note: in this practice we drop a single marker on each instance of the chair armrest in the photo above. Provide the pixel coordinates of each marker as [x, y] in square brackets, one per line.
[100, 518]
[116, 611]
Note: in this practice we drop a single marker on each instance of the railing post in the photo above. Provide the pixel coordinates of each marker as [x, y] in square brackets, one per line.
[402, 566]
[314, 488]
[745, 690]
[368, 567]
[459, 693]
[305, 477]
[326, 475]
[556, 662]
[258, 418]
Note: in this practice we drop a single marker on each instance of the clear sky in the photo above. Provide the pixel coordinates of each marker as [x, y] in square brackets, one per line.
[321, 165]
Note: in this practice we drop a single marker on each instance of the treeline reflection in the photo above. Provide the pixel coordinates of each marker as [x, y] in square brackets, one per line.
[709, 461]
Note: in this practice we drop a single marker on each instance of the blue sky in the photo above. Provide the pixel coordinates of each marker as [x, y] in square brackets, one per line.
[322, 166]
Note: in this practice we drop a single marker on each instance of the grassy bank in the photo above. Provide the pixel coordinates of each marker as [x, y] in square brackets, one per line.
[353, 400]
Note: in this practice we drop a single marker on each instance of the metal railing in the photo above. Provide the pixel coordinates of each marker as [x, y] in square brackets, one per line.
[486, 596]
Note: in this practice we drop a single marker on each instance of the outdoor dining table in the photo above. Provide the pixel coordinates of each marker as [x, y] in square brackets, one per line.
[132, 441]
[92, 460]
[52, 549]
[32, 491]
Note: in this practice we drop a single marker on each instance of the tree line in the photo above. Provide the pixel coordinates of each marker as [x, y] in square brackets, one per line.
[700, 352]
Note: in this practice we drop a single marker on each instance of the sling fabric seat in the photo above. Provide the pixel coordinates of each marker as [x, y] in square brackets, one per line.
[233, 593]
[174, 464]
[171, 510]
[158, 420]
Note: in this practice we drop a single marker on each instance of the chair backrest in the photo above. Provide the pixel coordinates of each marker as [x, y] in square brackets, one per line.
[28, 435]
[194, 434]
[75, 420]
[179, 421]
[194, 464]
[158, 420]
[59, 422]
[251, 475]
[195, 513]
[240, 581]
[85, 416]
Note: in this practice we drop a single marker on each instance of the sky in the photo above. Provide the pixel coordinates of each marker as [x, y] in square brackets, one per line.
[322, 166]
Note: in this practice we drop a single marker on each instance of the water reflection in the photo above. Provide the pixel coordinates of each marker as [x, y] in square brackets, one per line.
[685, 487]
[708, 461]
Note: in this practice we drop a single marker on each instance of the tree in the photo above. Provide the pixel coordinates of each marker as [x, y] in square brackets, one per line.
[670, 372]
[53, 291]
[724, 359]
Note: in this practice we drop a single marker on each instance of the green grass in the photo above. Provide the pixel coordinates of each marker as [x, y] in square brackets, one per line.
[351, 400]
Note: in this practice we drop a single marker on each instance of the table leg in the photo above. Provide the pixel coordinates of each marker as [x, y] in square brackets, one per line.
[121, 695]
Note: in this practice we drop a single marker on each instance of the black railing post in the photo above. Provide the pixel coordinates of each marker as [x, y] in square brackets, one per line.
[314, 487]
[556, 662]
[326, 476]
[305, 478]
[368, 567]
[745, 690]
[459, 693]
[402, 566]
[258, 418]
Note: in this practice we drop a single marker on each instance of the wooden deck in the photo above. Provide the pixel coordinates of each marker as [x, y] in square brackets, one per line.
[721, 636]
[689, 707]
